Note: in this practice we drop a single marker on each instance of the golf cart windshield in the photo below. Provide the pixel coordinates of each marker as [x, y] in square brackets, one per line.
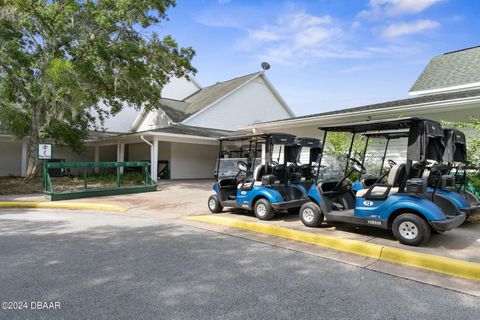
[332, 168]
[228, 167]
[254, 150]
[425, 140]
[382, 148]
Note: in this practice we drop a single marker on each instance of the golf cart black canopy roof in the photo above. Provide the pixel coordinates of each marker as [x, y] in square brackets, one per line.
[455, 146]
[433, 128]
[309, 142]
[387, 135]
[425, 136]
[274, 137]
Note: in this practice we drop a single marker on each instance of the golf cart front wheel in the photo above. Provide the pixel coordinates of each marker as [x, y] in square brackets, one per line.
[214, 204]
[311, 214]
[263, 209]
[411, 229]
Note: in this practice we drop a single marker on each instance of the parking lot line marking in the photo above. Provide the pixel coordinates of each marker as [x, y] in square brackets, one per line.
[440, 264]
[60, 205]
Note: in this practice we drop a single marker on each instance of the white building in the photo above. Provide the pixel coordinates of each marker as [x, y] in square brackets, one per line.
[181, 133]
[448, 89]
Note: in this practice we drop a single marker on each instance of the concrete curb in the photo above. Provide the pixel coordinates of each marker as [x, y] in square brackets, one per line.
[56, 205]
[440, 264]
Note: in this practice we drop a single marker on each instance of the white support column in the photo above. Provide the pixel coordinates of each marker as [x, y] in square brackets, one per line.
[154, 160]
[263, 153]
[24, 158]
[97, 157]
[120, 154]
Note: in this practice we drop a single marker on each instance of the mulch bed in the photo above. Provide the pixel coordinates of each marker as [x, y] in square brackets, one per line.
[18, 185]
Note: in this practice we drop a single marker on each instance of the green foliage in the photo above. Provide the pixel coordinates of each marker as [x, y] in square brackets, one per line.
[66, 65]
[338, 143]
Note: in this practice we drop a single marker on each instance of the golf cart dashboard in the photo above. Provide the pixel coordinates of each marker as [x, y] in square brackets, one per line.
[330, 187]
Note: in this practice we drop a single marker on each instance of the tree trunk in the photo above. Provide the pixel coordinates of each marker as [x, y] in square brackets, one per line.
[34, 139]
[32, 163]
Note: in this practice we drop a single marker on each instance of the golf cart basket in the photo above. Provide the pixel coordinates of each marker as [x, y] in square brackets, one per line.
[456, 154]
[455, 146]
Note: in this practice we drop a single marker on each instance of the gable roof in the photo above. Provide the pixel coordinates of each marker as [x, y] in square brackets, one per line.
[174, 109]
[179, 110]
[451, 71]
[194, 131]
[208, 95]
[442, 97]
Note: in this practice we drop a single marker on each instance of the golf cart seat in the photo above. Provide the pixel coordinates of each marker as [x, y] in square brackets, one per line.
[393, 182]
[367, 182]
[259, 172]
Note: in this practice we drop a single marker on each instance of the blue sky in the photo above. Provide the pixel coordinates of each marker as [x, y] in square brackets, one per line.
[324, 54]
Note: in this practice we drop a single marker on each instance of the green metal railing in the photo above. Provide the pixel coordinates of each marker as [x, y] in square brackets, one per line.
[51, 194]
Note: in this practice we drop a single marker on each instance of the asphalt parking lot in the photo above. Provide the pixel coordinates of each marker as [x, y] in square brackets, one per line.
[178, 199]
[103, 266]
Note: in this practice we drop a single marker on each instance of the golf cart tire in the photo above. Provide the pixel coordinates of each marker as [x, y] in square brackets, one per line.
[263, 209]
[217, 207]
[404, 224]
[311, 214]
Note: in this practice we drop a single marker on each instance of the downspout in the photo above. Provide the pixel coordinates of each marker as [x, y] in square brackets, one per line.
[151, 151]
[147, 142]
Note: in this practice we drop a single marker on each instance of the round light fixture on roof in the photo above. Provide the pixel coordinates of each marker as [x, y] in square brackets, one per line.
[265, 65]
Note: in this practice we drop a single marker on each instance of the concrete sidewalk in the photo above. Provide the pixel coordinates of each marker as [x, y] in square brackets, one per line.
[174, 198]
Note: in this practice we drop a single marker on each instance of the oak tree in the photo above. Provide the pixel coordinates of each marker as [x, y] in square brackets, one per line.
[66, 65]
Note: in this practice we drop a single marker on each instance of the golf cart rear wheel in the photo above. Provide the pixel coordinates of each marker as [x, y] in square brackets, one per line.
[263, 209]
[311, 214]
[214, 204]
[411, 229]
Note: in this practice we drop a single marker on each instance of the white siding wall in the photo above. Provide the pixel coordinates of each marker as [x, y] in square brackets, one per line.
[122, 122]
[179, 88]
[193, 161]
[141, 151]
[252, 103]
[10, 160]
[154, 120]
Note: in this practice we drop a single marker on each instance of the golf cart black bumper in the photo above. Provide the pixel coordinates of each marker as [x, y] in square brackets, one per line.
[449, 223]
[470, 211]
[284, 205]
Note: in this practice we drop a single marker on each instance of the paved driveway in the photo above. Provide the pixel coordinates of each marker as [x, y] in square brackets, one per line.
[105, 266]
[176, 199]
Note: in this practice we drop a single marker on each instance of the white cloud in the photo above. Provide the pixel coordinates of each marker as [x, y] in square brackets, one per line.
[294, 38]
[380, 8]
[395, 30]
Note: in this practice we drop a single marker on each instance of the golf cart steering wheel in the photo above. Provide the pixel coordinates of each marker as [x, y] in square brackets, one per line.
[391, 163]
[242, 166]
[357, 166]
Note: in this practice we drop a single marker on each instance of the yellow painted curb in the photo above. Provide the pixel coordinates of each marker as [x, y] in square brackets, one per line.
[57, 205]
[454, 267]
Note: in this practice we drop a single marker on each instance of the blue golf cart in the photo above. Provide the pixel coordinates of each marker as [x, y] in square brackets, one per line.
[438, 171]
[399, 204]
[258, 172]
